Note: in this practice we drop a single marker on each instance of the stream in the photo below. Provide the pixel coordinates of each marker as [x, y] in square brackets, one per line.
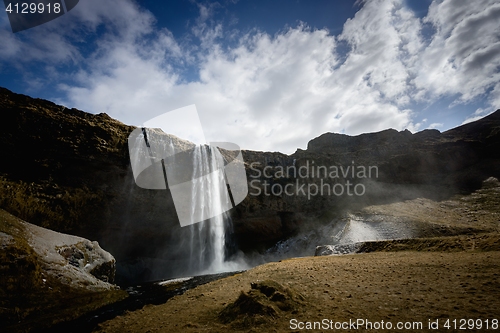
[147, 293]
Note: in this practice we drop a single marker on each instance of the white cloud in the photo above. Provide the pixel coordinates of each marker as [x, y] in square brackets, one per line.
[494, 97]
[278, 92]
[478, 114]
[56, 41]
[435, 125]
[462, 57]
[269, 92]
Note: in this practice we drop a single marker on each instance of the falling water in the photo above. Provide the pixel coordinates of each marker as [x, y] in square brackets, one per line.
[197, 177]
[210, 194]
[357, 230]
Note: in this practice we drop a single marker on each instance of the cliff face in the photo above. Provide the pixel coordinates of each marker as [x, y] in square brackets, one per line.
[457, 157]
[58, 161]
[404, 166]
[69, 171]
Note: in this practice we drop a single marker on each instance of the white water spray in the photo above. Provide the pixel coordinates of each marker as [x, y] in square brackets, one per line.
[210, 195]
[199, 179]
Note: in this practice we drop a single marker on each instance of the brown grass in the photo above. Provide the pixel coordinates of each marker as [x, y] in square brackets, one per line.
[49, 205]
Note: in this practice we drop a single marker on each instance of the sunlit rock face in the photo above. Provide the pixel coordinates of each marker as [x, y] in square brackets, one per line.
[60, 258]
[47, 277]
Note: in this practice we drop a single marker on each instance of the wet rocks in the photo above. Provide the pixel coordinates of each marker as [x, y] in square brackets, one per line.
[328, 250]
[89, 257]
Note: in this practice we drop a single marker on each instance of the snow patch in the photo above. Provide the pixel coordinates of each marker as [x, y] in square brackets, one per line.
[167, 282]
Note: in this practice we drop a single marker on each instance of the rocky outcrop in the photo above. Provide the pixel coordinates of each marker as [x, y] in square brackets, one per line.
[71, 260]
[69, 171]
[42, 269]
[329, 250]
[266, 301]
[476, 242]
[461, 157]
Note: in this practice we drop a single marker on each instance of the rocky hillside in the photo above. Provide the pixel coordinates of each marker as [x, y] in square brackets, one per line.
[426, 164]
[69, 171]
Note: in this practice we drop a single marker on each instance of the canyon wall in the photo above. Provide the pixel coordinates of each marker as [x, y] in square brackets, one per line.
[69, 171]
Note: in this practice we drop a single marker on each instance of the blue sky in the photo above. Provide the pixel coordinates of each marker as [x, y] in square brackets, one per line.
[267, 75]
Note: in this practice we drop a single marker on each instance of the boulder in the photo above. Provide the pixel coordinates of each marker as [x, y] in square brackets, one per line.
[72, 261]
[47, 277]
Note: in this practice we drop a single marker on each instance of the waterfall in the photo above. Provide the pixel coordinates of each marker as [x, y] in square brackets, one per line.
[198, 178]
[210, 194]
[358, 230]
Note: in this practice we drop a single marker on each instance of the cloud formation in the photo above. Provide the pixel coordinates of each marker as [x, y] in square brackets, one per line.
[277, 92]
[462, 57]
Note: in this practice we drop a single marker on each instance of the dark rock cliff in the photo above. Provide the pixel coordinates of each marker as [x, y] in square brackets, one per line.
[69, 171]
[405, 166]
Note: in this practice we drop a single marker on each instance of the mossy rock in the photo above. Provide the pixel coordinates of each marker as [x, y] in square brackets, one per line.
[265, 301]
